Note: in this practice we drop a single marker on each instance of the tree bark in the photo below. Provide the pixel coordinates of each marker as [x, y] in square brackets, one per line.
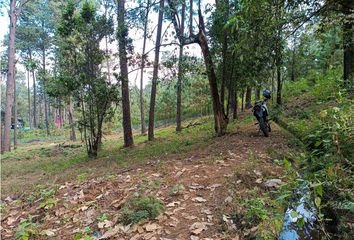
[348, 44]
[155, 74]
[44, 93]
[180, 74]
[15, 113]
[71, 121]
[278, 51]
[6, 145]
[123, 62]
[1, 135]
[248, 98]
[29, 99]
[60, 113]
[142, 105]
[35, 122]
[190, 17]
[235, 106]
[220, 120]
[257, 94]
[279, 84]
[242, 100]
[224, 60]
[14, 14]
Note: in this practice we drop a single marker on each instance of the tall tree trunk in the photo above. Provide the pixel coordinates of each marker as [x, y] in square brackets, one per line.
[142, 106]
[235, 106]
[190, 17]
[44, 93]
[15, 114]
[107, 61]
[155, 74]
[293, 60]
[71, 121]
[273, 85]
[279, 84]
[348, 43]
[29, 99]
[60, 113]
[257, 94]
[242, 100]
[278, 51]
[14, 14]
[1, 135]
[6, 145]
[123, 62]
[248, 98]
[180, 74]
[35, 124]
[224, 76]
[220, 120]
[224, 72]
[40, 110]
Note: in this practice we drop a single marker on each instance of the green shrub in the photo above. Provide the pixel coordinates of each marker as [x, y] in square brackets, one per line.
[140, 208]
[256, 211]
[26, 229]
[177, 189]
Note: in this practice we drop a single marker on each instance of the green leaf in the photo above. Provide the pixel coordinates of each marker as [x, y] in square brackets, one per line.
[319, 190]
[318, 202]
[300, 222]
[294, 214]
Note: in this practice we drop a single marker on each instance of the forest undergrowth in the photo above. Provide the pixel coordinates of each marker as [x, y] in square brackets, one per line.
[320, 113]
[186, 185]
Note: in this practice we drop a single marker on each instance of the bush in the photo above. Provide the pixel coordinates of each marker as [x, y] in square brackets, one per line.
[256, 211]
[140, 208]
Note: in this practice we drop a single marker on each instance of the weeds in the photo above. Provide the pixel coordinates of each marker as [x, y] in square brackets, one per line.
[140, 208]
[328, 134]
[177, 189]
[27, 229]
[255, 210]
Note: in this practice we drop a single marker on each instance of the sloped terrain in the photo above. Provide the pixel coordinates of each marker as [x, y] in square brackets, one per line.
[205, 194]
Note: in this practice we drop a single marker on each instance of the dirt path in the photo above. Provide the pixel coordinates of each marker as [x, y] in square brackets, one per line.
[199, 189]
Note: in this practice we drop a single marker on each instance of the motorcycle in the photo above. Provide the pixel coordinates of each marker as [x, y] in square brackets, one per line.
[260, 111]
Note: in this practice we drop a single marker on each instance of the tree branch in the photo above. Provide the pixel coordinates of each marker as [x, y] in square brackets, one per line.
[20, 8]
[308, 19]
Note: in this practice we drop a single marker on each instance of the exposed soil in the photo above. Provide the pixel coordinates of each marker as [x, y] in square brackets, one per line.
[243, 159]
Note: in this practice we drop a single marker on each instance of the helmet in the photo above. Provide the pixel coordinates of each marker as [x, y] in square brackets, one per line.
[266, 94]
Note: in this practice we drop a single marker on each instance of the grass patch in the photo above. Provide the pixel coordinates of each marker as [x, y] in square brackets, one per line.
[140, 208]
[32, 164]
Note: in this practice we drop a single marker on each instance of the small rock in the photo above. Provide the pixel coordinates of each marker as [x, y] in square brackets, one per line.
[254, 229]
[173, 204]
[11, 220]
[199, 199]
[105, 224]
[215, 185]
[190, 217]
[152, 227]
[206, 211]
[196, 186]
[273, 183]
[49, 232]
[228, 199]
[259, 180]
[198, 227]
[258, 173]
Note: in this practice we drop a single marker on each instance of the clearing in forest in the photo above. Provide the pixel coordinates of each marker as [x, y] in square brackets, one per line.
[188, 186]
